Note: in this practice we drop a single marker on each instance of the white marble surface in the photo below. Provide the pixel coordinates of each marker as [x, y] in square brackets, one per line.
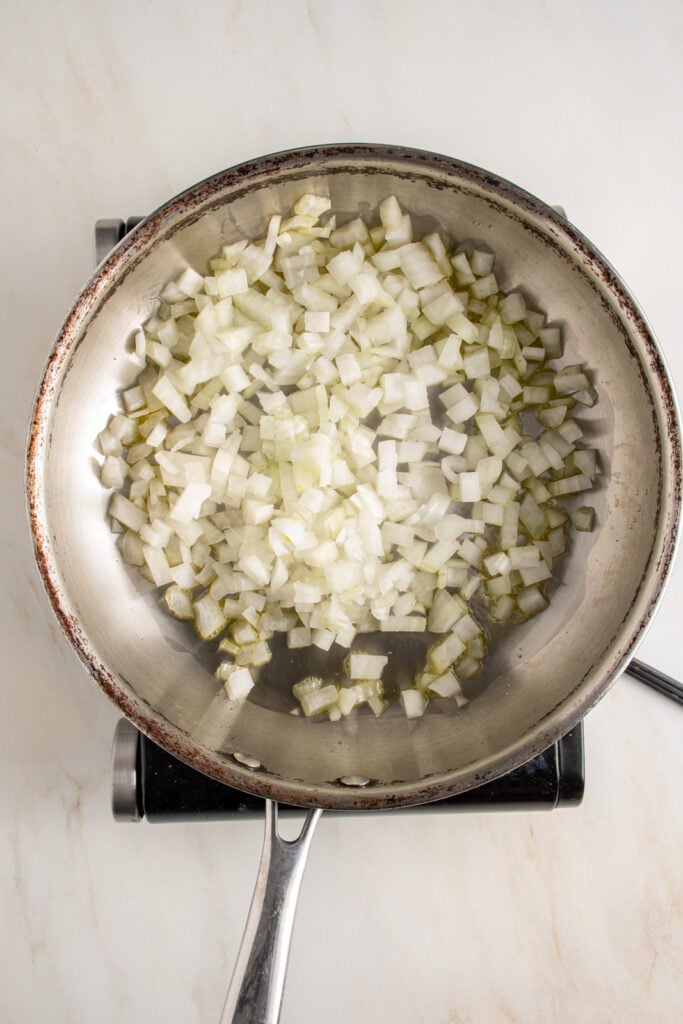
[575, 916]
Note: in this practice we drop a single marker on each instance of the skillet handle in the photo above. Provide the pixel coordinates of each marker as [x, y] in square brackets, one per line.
[656, 679]
[258, 980]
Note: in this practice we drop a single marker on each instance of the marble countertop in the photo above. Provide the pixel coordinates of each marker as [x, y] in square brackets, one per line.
[572, 916]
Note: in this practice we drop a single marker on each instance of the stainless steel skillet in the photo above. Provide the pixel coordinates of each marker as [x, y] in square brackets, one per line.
[540, 680]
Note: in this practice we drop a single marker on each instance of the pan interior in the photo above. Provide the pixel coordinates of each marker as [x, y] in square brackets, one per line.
[539, 679]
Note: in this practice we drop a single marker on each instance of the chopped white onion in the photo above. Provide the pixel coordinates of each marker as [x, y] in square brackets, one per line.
[282, 464]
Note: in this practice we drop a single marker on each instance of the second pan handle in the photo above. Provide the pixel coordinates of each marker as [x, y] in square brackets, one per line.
[657, 680]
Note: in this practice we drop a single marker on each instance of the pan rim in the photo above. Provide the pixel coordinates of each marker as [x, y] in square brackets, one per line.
[587, 692]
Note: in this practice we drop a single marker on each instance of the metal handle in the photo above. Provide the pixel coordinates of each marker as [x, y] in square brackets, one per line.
[258, 981]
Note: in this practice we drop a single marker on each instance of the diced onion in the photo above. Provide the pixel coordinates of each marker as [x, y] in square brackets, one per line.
[282, 464]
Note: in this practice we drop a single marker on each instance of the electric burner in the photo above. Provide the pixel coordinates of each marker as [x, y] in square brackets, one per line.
[147, 782]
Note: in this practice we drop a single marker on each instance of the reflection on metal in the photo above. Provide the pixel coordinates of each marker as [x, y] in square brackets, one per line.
[125, 776]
